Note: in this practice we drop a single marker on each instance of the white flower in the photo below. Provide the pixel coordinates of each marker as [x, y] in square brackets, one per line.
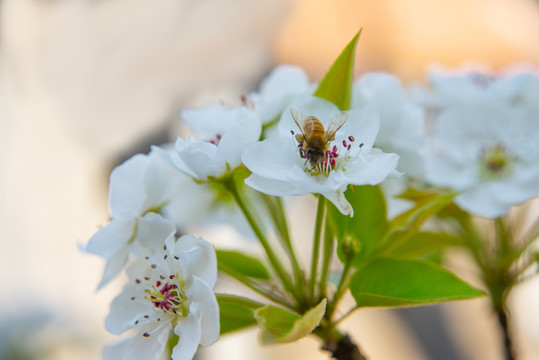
[279, 169]
[142, 185]
[402, 123]
[476, 84]
[489, 152]
[278, 90]
[169, 291]
[222, 133]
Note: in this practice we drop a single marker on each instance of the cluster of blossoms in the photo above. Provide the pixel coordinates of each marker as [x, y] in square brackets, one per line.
[481, 145]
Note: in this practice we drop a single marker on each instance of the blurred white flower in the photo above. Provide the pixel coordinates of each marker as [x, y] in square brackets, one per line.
[402, 123]
[139, 187]
[278, 167]
[169, 291]
[278, 90]
[487, 151]
[221, 135]
[476, 84]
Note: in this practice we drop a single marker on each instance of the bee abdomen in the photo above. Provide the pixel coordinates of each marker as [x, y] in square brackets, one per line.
[312, 126]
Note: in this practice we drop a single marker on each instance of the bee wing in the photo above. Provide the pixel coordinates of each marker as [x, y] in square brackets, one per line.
[335, 123]
[299, 118]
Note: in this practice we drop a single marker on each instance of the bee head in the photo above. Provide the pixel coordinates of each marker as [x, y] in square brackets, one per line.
[315, 155]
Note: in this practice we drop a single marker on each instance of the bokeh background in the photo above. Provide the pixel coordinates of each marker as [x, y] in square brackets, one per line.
[85, 84]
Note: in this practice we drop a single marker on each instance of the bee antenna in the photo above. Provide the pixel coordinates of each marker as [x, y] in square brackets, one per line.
[292, 132]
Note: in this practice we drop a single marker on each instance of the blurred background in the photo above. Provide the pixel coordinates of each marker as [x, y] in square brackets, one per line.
[85, 84]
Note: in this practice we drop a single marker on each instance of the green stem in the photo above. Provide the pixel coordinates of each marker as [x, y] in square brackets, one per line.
[272, 257]
[276, 209]
[320, 211]
[326, 258]
[341, 288]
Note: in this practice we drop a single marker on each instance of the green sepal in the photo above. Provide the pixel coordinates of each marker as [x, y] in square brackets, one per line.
[336, 86]
[278, 325]
[236, 312]
[393, 282]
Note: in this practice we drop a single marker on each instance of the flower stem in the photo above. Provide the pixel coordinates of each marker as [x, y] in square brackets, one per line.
[320, 212]
[508, 344]
[276, 209]
[326, 258]
[341, 288]
[272, 257]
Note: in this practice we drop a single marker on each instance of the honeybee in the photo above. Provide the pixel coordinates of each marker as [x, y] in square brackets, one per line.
[314, 139]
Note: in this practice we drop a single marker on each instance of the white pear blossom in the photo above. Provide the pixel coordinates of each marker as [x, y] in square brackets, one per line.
[284, 85]
[169, 292]
[475, 84]
[488, 152]
[139, 187]
[402, 123]
[221, 135]
[278, 167]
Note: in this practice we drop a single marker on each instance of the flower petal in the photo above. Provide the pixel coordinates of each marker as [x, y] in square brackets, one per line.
[247, 129]
[153, 229]
[112, 237]
[271, 158]
[479, 201]
[203, 299]
[126, 189]
[189, 332]
[198, 257]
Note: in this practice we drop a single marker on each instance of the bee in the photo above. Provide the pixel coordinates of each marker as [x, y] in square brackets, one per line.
[314, 139]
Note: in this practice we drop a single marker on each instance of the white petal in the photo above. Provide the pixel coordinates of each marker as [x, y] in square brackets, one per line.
[338, 199]
[246, 130]
[189, 332]
[126, 189]
[114, 265]
[152, 230]
[271, 158]
[363, 124]
[124, 311]
[479, 201]
[148, 348]
[199, 159]
[204, 301]
[271, 186]
[371, 168]
[111, 238]
[445, 172]
[284, 80]
[198, 257]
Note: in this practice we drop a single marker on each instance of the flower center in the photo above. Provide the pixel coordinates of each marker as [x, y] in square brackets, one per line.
[335, 158]
[496, 163]
[168, 297]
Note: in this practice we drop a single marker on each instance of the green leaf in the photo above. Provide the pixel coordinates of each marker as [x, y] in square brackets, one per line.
[366, 229]
[425, 243]
[336, 86]
[411, 221]
[232, 262]
[279, 325]
[400, 282]
[236, 313]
